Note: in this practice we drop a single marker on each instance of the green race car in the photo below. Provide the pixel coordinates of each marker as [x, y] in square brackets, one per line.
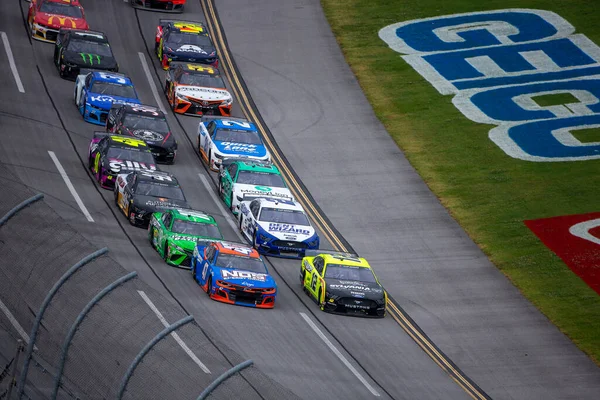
[245, 179]
[174, 233]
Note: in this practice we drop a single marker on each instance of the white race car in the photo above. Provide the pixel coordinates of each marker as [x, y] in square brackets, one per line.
[277, 227]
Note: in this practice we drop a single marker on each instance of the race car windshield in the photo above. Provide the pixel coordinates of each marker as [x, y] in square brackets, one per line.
[234, 136]
[240, 262]
[349, 273]
[179, 38]
[293, 217]
[154, 190]
[136, 121]
[113, 89]
[214, 81]
[61, 9]
[195, 228]
[120, 153]
[89, 48]
[260, 178]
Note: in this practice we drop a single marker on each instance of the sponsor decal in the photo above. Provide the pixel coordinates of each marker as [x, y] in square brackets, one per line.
[286, 228]
[185, 238]
[118, 165]
[235, 274]
[148, 136]
[496, 63]
[263, 188]
[191, 49]
[232, 146]
[102, 98]
[239, 249]
[161, 203]
[576, 240]
[89, 58]
[61, 20]
[190, 89]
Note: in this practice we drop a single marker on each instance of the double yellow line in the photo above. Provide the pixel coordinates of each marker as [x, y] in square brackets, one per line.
[250, 112]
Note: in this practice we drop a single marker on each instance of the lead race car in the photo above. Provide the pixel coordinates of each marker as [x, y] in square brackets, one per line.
[174, 233]
[96, 91]
[175, 6]
[188, 41]
[342, 283]
[197, 89]
[46, 17]
[233, 273]
[277, 227]
[220, 138]
[110, 155]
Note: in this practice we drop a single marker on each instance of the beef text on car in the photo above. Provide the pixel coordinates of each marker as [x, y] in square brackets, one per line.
[147, 123]
[197, 89]
[76, 49]
[110, 155]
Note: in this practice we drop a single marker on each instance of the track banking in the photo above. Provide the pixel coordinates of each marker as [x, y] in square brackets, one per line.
[496, 63]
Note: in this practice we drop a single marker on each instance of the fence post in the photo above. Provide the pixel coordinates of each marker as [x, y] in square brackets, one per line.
[19, 207]
[147, 348]
[226, 375]
[79, 320]
[40, 314]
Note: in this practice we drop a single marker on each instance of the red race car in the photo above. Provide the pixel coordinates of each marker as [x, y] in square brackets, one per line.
[46, 17]
[159, 5]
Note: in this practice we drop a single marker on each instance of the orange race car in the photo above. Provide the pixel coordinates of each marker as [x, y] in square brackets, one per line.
[46, 17]
[197, 89]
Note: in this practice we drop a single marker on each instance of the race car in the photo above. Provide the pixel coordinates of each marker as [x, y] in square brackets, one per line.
[242, 179]
[174, 234]
[277, 227]
[46, 17]
[184, 41]
[139, 194]
[76, 49]
[175, 6]
[227, 138]
[95, 92]
[110, 155]
[147, 123]
[196, 89]
[342, 283]
[233, 273]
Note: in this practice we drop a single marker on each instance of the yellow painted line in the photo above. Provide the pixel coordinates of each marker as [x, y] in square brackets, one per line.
[240, 93]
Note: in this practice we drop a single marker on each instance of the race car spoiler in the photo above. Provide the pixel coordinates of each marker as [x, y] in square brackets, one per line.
[213, 117]
[230, 160]
[166, 21]
[101, 134]
[85, 71]
[340, 254]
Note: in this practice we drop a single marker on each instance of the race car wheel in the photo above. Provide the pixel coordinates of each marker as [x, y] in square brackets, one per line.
[231, 201]
[320, 300]
[208, 285]
[302, 276]
[166, 252]
[151, 236]
[116, 196]
[254, 240]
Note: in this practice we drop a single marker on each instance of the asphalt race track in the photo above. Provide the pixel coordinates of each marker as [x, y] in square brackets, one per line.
[326, 129]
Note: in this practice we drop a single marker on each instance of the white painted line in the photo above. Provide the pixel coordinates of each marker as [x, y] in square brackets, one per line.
[177, 338]
[15, 323]
[11, 62]
[70, 186]
[339, 355]
[151, 82]
[226, 213]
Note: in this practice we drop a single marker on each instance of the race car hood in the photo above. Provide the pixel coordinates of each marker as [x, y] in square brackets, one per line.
[242, 190]
[361, 290]
[203, 93]
[151, 203]
[117, 166]
[152, 137]
[297, 233]
[232, 148]
[191, 51]
[90, 60]
[56, 21]
[244, 278]
[104, 101]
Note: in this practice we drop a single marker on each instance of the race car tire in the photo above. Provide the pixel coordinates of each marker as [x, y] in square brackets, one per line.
[116, 196]
[319, 301]
[231, 201]
[208, 285]
[166, 252]
[302, 276]
[209, 156]
[254, 240]
[150, 236]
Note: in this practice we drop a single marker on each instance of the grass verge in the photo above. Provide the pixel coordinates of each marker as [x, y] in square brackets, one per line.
[489, 193]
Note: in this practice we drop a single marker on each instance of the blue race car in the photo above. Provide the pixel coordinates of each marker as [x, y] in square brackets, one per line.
[220, 138]
[233, 273]
[96, 91]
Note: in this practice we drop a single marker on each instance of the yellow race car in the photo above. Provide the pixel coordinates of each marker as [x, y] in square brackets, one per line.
[342, 283]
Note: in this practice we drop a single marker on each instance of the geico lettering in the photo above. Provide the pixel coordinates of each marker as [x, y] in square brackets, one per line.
[497, 63]
[243, 275]
[286, 228]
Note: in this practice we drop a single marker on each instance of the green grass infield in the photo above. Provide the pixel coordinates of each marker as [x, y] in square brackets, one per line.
[488, 192]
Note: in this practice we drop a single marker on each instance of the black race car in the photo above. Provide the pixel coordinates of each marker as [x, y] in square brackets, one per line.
[109, 155]
[76, 49]
[184, 41]
[140, 193]
[146, 123]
